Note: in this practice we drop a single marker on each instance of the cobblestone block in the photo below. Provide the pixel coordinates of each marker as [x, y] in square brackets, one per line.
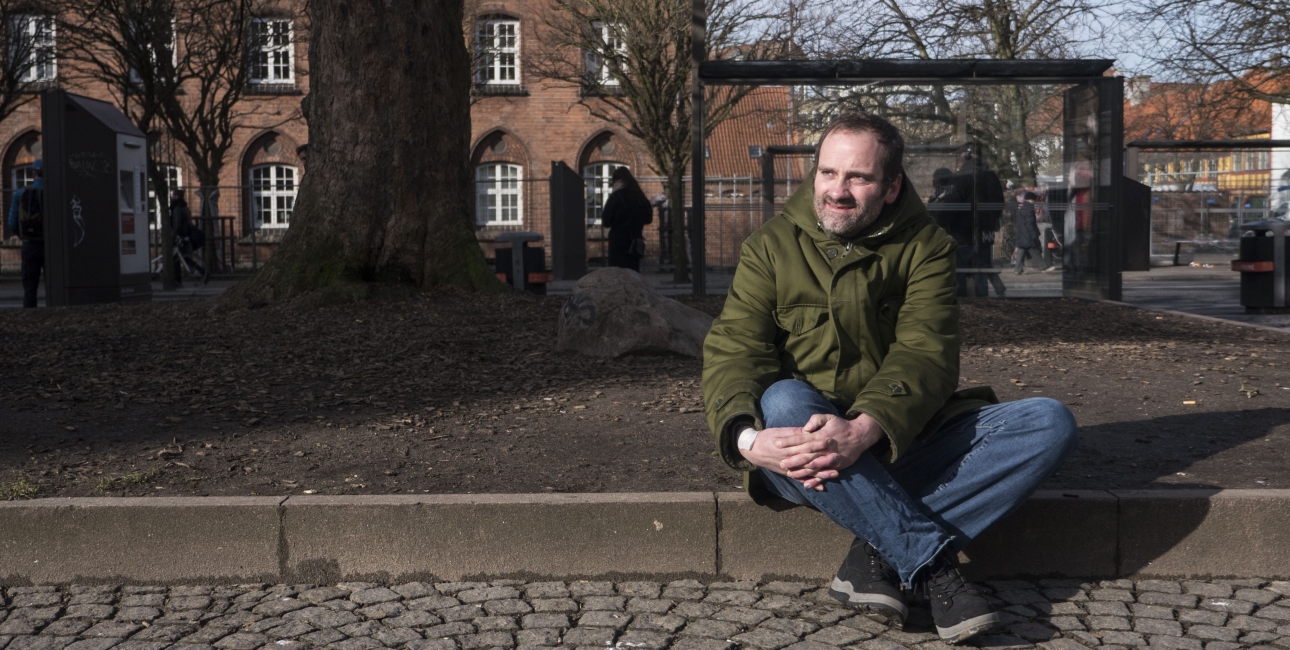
[1108, 623]
[640, 589]
[766, 639]
[1250, 623]
[278, 607]
[1258, 637]
[583, 588]
[784, 588]
[1202, 616]
[1207, 589]
[1160, 586]
[322, 618]
[1172, 600]
[183, 603]
[1157, 626]
[322, 594]
[1274, 613]
[702, 644]
[496, 624]
[357, 643]
[1032, 632]
[451, 588]
[533, 621]
[1256, 596]
[692, 610]
[858, 622]
[742, 615]
[881, 644]
[92, 598]
[236, 619]
[909, 638]
[1211, 633]
[432, 602]
[449, 629]
[116, 629]
[1280, 586]
[546, 590]
[339, 605]
[608, 603]
[590, 636]
[684, 590]
[1087, 638]
[781, 604]
[658, 623]
[381, 610]
[137, 613]
[825, 615]
[838, 635]
[241, 641]
[131, 644]
[90, 644]
[19, 627]
[734, 598]
[1221, 645]
[643, 640]
[1107, 608]
[1227, 605]
[362, 628]
[1123, 638]
[601, 618]
[462, 613]
[490, 593]
[67, 626]
[1119, 595]
[433, 644]
[322, 637]
[41, 642]
[1073, 594]
[414, 590]
[291, 630]
[143, 600]
[538, 637]
[511, 607]
[711, 629]
[1062, 644]
[1020, 596]
[554, 605]
[1066, 623]
[810, 645]
[42, 614]
[394, 637]
[1176, 643]
[1152, 611]
[169, 633]
[649, 606]
[38, 599]
[210, 634]
[1062, 609]
[1002, 642]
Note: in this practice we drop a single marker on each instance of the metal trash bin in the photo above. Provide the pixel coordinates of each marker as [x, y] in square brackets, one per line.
[1263, 266]
[520, 266]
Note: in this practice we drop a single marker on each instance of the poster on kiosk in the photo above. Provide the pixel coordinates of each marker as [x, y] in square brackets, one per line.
[96, 203]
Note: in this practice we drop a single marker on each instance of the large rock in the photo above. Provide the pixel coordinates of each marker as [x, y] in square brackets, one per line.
[613, 312]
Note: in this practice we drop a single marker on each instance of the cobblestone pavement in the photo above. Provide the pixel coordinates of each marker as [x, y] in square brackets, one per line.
[684, 614]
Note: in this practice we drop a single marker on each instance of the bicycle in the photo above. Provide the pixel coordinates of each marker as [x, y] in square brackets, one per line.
[188, 267]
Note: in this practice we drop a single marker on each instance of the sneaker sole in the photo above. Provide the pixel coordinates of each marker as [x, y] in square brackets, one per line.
[969, 628]
[892, 610]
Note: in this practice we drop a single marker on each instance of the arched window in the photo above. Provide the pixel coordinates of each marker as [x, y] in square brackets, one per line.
[596, 176]
[499, 194]
[273, 195]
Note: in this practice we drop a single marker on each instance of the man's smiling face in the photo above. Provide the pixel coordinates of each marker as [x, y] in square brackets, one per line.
[849, 186]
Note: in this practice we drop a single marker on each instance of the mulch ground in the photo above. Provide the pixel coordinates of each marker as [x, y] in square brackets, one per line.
[459, 393]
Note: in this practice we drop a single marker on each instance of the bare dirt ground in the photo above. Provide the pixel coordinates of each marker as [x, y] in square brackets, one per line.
[455, 393]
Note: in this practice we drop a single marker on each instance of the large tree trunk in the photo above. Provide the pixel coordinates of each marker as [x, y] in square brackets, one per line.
[386, 194]
[680, 247]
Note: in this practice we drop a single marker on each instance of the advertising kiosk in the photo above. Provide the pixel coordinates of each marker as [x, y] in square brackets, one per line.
[96, 214]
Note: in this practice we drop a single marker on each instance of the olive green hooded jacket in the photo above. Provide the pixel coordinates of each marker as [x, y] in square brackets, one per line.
[872, 323]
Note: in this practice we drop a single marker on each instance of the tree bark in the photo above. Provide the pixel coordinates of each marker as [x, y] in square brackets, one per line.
[386, 197]
[676, 198]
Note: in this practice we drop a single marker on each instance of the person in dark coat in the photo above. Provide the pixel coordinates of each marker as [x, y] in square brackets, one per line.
[626, 213]
[1028, 244]
[975, 186]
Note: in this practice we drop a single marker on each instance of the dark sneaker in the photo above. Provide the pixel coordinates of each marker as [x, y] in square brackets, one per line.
[867, 582]
[959, 611]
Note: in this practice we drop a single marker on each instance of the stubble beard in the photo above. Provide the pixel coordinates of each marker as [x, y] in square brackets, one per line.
[846, 221]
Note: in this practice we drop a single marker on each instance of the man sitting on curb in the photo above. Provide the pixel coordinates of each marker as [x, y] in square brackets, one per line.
[830, 378]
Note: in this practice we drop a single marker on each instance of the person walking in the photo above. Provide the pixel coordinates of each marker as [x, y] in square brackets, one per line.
[626, 213]
[1028, 244]
[830, 379]
[27, 218]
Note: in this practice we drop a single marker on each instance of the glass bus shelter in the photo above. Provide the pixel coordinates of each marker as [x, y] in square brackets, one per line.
[982, 137]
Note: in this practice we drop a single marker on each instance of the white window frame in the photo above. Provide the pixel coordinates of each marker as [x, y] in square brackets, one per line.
[158, 206]
[497, 50]
[174, 56]
[598, 179]
[272, 191]
[41, 61]
[499, 194]
[272, 45]
[21, 176]
[609, 36]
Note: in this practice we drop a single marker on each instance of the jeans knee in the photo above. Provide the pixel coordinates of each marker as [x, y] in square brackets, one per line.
[789, 403]
[1061, 433]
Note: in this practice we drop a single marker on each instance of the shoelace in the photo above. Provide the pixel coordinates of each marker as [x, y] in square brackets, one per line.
[946, 582]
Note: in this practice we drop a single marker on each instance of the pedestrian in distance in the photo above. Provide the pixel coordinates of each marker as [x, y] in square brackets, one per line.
[1028, 244]
[626, 214]
[27, 218]
[830, 379]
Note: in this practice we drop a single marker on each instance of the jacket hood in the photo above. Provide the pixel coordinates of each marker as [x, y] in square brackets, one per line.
[906, 211]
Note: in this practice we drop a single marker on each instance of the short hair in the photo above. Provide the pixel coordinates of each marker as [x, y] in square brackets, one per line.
[1029, 196]
[889, 139]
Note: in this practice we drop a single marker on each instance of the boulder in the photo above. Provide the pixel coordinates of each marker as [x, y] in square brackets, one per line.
[613, 312]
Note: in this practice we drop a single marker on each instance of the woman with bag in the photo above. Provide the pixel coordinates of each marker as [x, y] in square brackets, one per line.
[625, 214]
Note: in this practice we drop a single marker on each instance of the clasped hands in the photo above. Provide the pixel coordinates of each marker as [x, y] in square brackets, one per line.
[816, 452]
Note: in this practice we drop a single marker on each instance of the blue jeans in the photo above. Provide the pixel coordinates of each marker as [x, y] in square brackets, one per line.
[945, 489]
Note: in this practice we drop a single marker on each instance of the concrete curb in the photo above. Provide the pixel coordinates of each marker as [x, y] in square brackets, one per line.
[1211, 319]
[323, 539]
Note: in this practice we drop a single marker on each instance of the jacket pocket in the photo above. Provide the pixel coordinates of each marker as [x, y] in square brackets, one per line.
[800, 319]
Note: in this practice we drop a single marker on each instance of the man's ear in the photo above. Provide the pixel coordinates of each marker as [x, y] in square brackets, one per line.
[893, 192]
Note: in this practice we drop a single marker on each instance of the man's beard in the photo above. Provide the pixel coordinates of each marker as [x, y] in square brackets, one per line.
[847, 219]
